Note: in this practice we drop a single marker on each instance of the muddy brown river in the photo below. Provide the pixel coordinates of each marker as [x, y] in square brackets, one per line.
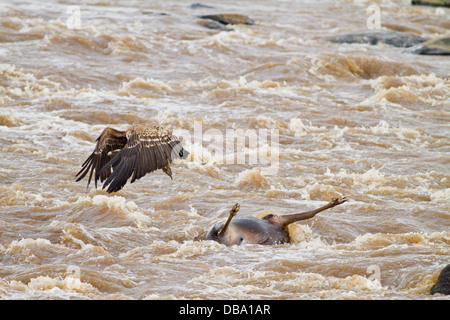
[276, 118]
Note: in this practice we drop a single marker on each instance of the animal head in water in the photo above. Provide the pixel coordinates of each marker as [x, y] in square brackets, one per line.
[213, 234]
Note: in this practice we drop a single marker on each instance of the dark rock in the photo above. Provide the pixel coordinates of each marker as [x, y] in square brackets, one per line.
[198, 5]
[443, 282]
[434, 3]
[229, 18]
[392, 38]
[433, 47]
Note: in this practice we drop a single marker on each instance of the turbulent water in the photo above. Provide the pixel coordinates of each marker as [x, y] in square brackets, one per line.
[367, 122]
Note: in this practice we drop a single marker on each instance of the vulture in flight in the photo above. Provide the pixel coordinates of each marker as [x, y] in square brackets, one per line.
[120, 155]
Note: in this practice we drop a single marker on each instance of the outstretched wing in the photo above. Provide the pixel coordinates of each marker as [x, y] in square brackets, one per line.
[147, 149]
[108, 143]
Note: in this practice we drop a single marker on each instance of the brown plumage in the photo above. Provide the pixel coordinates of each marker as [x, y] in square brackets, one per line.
[120, 155]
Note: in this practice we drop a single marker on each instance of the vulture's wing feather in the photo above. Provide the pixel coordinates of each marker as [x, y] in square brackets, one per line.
[109, 140]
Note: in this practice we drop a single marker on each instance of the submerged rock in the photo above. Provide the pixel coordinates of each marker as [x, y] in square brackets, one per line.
[434, 3]
[443, 282]
[199, 5]
[392, 38]
[439, 46]
[211, 24]
[229, 18]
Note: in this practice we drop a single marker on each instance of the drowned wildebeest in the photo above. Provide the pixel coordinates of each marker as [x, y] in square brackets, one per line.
[271, 229]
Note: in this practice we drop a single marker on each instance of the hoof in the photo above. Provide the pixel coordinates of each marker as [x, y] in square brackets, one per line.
[338, 201]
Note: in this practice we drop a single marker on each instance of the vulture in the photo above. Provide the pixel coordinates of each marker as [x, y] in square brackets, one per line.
[120, 155]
